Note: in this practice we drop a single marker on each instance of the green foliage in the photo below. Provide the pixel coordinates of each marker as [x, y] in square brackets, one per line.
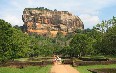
[97, 41]
[13, 42]
[66, 51]
[106, 44]
[109, 42]
[81, 45]
[20, 44]
[17, 27]
[42, 8]
[5, 39]
[42, 46]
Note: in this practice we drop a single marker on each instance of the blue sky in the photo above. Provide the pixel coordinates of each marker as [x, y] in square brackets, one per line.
[91, 12]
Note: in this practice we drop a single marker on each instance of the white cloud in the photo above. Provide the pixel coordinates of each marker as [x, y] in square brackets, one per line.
[88, 11]
[89, 20]
[14, 20]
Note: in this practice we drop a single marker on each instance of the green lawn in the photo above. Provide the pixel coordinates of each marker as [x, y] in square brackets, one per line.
[83, 69]
[37, 59]
[29, 69]
[22, 59]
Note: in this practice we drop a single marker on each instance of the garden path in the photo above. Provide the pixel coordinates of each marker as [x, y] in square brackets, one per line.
[61, 68]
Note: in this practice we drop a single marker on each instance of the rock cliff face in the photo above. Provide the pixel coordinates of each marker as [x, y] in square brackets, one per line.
[43, 21]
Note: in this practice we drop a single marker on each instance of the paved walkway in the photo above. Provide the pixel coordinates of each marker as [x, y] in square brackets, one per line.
[60, 68]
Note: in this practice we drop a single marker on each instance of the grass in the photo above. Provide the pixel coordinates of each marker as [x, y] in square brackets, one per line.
[83, 69]
[101, 57]
[95, 57]
[37, 59]
[21, 59]
[29, 69]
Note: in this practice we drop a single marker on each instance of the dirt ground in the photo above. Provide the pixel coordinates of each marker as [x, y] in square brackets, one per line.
[60, 68]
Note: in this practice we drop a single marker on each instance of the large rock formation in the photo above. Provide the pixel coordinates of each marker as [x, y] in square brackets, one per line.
[43, 21]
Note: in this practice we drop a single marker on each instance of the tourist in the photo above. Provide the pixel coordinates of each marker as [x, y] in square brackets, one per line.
[58, 60]
[54, 59]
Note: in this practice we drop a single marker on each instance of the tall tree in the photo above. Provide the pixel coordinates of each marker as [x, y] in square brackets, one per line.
[5, 39]
[79, 45]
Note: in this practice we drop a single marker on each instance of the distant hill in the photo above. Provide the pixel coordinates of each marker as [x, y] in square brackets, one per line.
[43, 21]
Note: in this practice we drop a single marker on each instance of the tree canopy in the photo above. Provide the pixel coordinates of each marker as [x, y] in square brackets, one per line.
[101, 39]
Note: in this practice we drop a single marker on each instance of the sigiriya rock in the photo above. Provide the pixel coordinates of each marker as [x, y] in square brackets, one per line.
[43, 21]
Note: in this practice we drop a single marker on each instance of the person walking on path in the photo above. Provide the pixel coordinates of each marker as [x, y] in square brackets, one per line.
[58, 60]
[54, 59]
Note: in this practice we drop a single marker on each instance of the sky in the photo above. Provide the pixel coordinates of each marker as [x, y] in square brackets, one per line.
[91, 12]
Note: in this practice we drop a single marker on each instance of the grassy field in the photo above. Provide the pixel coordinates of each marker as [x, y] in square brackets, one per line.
[83, 69]
[22, 59]
[30, 69]
[37, 59]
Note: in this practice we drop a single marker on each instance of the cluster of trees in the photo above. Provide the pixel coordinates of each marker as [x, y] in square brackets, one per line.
[13, 43]
[100, 40]
[106, 44]
[42, 8]
[39, 8]
[16, 44]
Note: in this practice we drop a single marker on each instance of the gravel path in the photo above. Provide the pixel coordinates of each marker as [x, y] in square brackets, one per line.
[60, 68]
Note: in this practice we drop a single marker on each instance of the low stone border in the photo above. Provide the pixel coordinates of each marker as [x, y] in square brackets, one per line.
[83, 63]
[19, 64]
[94, 59]
[94, 63]
[104, 70]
